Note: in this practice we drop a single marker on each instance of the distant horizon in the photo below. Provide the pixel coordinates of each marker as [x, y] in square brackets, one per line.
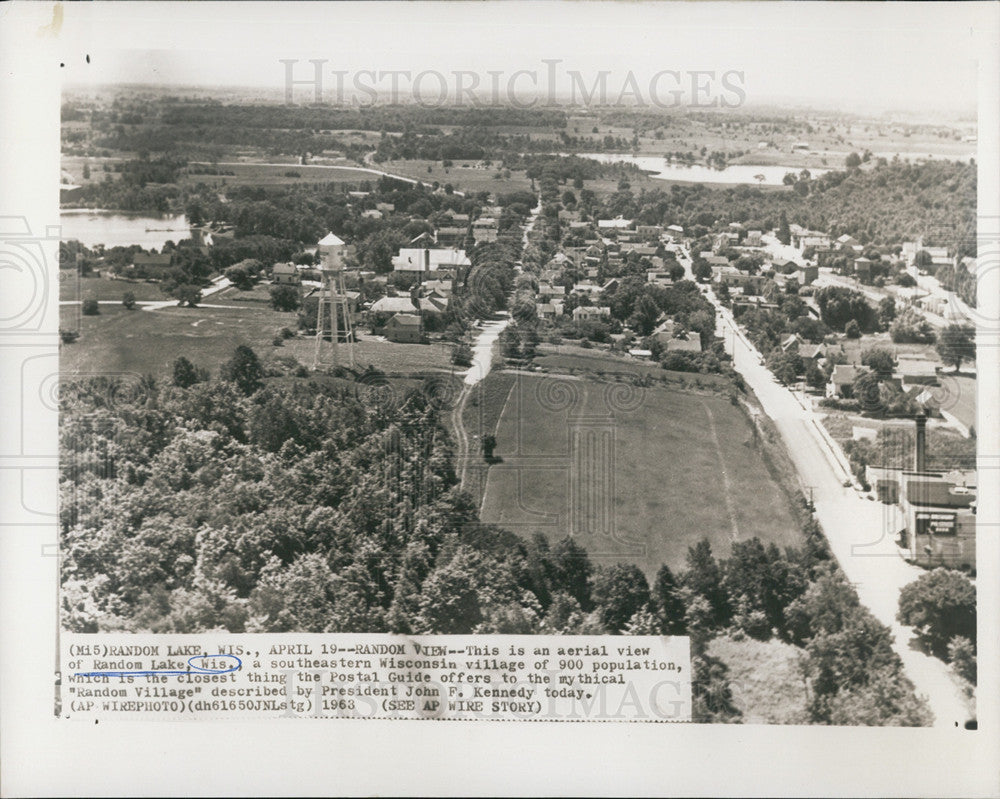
[800, 105]
[871, 58]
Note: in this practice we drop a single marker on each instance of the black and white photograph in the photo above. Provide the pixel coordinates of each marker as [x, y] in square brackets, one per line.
[591, 362]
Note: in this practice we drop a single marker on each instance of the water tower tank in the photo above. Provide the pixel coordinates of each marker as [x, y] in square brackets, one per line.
[331, 253]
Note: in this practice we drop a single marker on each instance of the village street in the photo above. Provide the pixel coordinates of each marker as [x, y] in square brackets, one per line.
[860, 531]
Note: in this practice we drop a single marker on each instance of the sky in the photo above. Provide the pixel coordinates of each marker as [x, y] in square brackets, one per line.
[848, 56]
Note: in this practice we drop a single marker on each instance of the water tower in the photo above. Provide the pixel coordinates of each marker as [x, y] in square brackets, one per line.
[333, 302]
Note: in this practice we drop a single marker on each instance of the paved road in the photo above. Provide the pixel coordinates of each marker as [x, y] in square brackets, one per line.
[482, 362]
[861, 532]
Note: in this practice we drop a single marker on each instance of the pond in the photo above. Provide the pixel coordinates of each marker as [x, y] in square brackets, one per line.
[117, 229]
[699, 173]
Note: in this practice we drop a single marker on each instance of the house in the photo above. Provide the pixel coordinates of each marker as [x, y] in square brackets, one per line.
[484, 234]
[395, 305]
[403, 328]
[807, 275]
[457, 219]
[610, 284]
[428, 260]
[450, 236]
[842, 380]
[285, 275]
[791, 342]
[441, 287]
[548, 310]
[725, 240]
[591, 312]
[371, 213]
[754, 238]
[741, 304]
[784, 266]
[675, 231]
[846, 242]
[385, 208]
[614, 224]
[664, 332]
[689, 342]
[659, 277]
[914, 371]
[548, 290]
[649, 232]
[812, 352]
[863, 269]
[748, 284]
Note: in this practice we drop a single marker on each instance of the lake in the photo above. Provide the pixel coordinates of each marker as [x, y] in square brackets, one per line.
[699, 173]
[115, 229]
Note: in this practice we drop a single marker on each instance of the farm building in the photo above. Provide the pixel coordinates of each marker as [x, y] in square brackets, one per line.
[403, 328]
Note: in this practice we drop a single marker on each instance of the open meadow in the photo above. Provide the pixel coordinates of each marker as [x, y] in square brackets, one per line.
[634, 475]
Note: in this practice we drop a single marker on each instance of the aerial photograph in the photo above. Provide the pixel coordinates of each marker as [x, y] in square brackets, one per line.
[547, 346]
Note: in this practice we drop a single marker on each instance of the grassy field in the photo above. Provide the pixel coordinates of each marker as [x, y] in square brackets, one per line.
[278, 174]
[480, 417]
[765, 680]
[641, 486]
[468, 177]
[149, 341]
[74, 287]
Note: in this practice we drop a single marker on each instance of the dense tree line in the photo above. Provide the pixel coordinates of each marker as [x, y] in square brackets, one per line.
[889, 204]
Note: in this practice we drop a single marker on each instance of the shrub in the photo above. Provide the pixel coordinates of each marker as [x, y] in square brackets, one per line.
[284, 298]
[91, 308]
[939, 605]
[128, 300]
[68, 336]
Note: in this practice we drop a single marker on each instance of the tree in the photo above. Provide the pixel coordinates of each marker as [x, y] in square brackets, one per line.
[284, 298]
[669, 602]
[704, 578]
[86, 171]
[645, 315]
[880, 360]
[939, 605]
[619, 592]
[852, 329]
[461, 355]
[906, 280]
[128, 300]
[244, 274]
[489, 444]
[449, 602]
[839, 305]
[185, 374]
[853, 161]
[784, 231]
[962, 657]
[187, 294]
[91, 308]
[785, 366]
[910, 327]
[886, 312]
[571, 570]
[814, 375]
[957, 343]
[244, 370]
